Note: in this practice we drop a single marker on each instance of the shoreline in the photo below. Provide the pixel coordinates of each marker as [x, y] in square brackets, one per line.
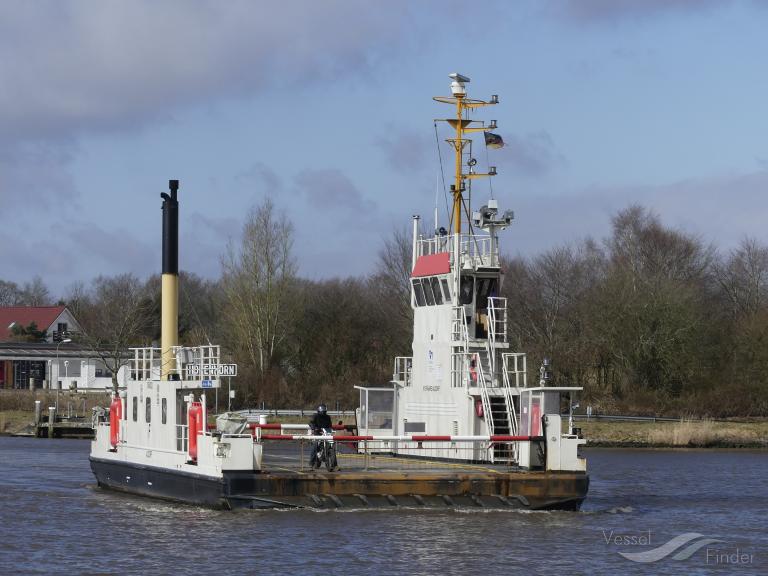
[658, 446]
[686, 434]
[682, 434]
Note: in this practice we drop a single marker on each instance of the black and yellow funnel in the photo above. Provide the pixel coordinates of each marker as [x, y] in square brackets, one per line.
[169, 329]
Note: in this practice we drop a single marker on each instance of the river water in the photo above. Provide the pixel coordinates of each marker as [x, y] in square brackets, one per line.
[53, 520]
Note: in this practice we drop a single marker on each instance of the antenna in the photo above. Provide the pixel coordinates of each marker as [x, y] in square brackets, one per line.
[437, 191]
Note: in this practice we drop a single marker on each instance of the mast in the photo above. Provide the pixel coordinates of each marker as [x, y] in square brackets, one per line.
[462, 125]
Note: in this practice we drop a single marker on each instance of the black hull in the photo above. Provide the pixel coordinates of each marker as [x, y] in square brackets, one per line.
[562, 491]
[159, 483]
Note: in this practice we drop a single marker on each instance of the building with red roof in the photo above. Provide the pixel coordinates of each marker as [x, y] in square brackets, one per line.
[56, 321]
[35, 352]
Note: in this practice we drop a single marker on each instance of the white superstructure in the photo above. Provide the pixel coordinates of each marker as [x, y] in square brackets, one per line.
[463, 379]
[154, 419]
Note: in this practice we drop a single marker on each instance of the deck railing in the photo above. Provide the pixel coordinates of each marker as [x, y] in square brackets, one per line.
[397, 453]
[479, 249]
[146, 362]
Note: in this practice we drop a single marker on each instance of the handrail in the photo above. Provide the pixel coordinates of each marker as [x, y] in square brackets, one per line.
[402, 371]
[484, 398]
[497, 319]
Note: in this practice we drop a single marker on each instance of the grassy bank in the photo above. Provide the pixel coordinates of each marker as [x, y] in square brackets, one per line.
[682, 434]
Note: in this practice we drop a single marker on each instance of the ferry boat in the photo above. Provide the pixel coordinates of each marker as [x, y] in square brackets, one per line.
[458, 424]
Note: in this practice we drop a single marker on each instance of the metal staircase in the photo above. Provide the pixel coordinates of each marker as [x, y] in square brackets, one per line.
[476, 365]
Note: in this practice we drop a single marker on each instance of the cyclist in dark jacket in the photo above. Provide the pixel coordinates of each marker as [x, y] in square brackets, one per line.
[320, 423]
[320, 420]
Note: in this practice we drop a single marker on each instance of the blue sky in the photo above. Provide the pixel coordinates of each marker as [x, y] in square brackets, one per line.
[326, 107]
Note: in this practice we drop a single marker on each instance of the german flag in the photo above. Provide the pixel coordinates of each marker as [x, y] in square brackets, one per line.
[493, 140]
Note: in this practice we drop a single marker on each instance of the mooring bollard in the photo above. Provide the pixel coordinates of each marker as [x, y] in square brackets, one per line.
[51, 420]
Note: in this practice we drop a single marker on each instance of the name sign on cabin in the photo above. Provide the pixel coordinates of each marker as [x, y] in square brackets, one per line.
[214, 370]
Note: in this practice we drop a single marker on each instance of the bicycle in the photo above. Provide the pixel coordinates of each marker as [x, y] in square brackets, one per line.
[324, 452]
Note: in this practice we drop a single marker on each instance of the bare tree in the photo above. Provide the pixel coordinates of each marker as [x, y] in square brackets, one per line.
[743, 277]
[35, 293]
[10, 294]
[392, 284]
[113, 315]
[258, 282]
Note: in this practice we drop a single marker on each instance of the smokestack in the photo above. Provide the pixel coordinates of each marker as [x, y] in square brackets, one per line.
[169, 334]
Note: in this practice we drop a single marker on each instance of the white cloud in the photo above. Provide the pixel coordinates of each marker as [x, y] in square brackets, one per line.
[68, 67]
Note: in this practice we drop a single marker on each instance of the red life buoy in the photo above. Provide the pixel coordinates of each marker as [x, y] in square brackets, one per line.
[479, 408]
[195, 422]
[115, 414]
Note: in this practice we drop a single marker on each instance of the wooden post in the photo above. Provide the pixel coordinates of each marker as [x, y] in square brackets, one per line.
[51, 420]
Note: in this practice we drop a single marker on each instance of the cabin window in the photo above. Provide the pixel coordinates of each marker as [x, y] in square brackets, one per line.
[411, 427]
[148, 415]
[467, 288]
[446, 290]
[164, 411]
[419, 292]
[135, 409]
[428, 292]
[436, 290]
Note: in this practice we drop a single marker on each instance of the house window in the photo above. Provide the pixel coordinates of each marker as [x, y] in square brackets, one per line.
[62, 327]
[164, 411]
[135, 409]
[148, 415]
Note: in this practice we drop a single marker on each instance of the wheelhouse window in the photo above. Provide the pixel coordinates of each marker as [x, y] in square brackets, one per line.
[446, 290]
[148, 414]
[164, 411]
[431, 291]
[419, 293]
[435, 286]
[135, 409]
[428, 292]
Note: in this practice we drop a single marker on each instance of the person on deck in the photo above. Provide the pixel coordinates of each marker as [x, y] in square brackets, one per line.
[320, 422]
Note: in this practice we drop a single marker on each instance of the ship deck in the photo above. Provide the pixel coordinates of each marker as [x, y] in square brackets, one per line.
[383, 480]
[286, 457]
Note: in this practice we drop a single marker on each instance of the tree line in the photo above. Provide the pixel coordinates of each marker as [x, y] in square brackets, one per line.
[650, 320]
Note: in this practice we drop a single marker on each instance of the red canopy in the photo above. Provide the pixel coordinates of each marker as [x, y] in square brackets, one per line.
[432, 265]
